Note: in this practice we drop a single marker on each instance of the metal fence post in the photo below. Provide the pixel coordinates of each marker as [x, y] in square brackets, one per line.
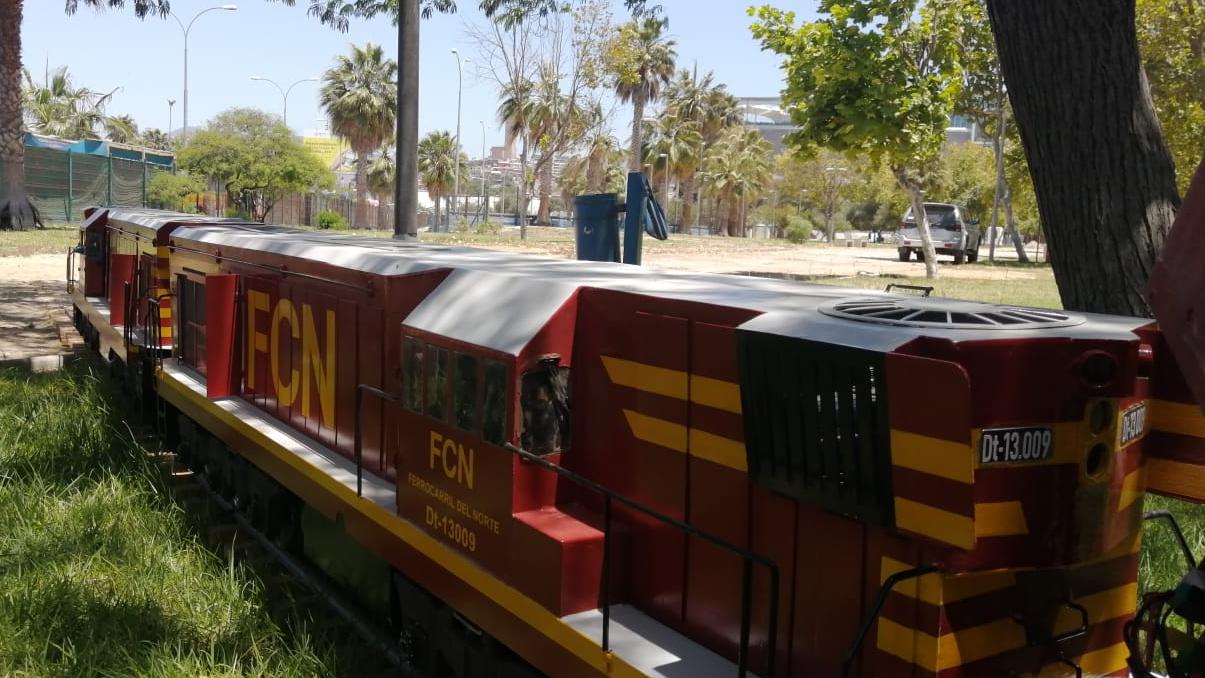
[144, 173]
[70, 186]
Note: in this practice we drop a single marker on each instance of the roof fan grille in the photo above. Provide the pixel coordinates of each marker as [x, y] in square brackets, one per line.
[946, 314]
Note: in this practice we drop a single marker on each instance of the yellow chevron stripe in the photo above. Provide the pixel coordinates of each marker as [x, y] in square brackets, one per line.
[932, 455]
[718, 449]
[722, 395]
[930, 521]
[1180, 418]
[1000, 519]
[980, 642]
[938, 589]
[1095, 663]
[700, 444]
[1132, 488]
[648, 378]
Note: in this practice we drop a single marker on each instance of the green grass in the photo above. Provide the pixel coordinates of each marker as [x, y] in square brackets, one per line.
[100, 573]
[1039, 291]
[54, 239]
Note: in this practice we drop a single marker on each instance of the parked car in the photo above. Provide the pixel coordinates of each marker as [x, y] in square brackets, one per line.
[952, 234]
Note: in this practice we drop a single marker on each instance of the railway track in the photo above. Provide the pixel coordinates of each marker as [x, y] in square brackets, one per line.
[295, 590]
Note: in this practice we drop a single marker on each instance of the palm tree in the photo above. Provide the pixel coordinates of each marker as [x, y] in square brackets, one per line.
[673, 148]
[360, 96]
[120, 129]
[380, 182]
[16, 210]
[600, 148]
[713, 109]
[517, 113]
[437, 167]
[735, 171]
[550, 113]
[653, 64]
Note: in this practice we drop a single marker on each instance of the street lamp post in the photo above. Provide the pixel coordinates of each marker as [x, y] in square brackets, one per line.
[186, 29]
[665, 166]
[284, 93]
[170, 103]
[456, 161]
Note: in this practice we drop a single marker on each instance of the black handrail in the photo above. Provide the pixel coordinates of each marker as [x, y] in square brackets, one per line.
[879, 601]
[748, 559]
[360, 389]
[1171, 519]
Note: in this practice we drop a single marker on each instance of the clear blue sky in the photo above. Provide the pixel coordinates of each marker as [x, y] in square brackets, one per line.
[111, 48]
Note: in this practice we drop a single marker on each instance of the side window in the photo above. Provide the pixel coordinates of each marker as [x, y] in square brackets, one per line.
[493, 403]
[544, 397]
[437, 382]
[464, 397]
[412, 377]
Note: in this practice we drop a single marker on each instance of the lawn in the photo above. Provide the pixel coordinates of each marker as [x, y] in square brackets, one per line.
[54, 239]
[1039, 291]
[101, 573]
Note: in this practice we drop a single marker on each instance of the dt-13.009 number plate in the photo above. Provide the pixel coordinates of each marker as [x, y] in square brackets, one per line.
[1015, 445]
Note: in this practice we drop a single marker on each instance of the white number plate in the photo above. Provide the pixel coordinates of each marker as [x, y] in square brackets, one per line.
[1133, 424]
[1016, 445]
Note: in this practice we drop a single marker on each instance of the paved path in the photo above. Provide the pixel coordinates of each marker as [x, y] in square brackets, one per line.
[33, 306]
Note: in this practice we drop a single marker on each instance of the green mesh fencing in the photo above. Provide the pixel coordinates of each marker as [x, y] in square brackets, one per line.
[62, 184]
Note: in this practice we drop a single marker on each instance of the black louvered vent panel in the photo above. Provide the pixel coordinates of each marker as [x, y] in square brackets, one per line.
[816, 423]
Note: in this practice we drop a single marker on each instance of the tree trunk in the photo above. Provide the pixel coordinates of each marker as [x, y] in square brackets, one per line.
[16, 210]
[521, 194]
[544, 216]
[635, 157]
[922, 220]
[435, 217]
[595, 173]
[688, 203]
[733, 218]
[998, 150]
[382, 212]
[361, 213]
[1103, 177]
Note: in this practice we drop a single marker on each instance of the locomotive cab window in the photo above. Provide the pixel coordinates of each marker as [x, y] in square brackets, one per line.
[412, 376]
[437, 383]
[493, 403]
[464, 397]
[544, 397]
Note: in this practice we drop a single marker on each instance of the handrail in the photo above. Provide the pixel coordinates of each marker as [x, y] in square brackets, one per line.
[749, 558]
[879, 601]
[70, 270]
[360, 390]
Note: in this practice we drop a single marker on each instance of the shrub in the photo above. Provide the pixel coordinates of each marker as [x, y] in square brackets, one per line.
[331, 221]
[489, 228]
[799, 230]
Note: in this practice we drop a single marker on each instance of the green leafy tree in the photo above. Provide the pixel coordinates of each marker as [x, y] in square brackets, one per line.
[872, 77]
[360, 96]
[966, 176]
[822, 182]
[712, 109]
[255, 157]
[641, 58]
[169, 191]
[876, 202]
[155, 139]
[16, 210]
[1171, 41]
[121, 129]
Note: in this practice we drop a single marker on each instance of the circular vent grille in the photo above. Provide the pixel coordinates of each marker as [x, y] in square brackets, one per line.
[947, 314]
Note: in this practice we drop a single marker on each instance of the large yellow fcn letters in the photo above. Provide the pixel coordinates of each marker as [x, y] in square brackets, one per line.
[318, 359]
[323, 366]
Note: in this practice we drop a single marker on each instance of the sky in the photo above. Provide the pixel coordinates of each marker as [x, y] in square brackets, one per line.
[111, 48]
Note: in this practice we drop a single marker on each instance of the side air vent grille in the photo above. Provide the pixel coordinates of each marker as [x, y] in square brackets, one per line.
[946, 314]
[816, 423]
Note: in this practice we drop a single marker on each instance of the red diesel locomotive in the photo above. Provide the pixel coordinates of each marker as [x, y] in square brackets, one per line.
[576, 468]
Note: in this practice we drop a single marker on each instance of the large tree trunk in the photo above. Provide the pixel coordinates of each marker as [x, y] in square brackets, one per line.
[16, 211]
[361, 212]
[521, 195]
[544, 216]
[688, 203]
[596, 175]
[435, 217]
[733, 218]
[1103, 177]
[382, 212]
[635, 157]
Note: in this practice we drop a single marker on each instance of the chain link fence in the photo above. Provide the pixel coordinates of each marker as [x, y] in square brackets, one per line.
[61, 184]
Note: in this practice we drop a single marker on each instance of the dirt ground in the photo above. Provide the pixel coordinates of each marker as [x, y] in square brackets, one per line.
[32, 290]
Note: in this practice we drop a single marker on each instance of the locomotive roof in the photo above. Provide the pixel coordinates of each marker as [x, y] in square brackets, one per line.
[533, 283]
[158, 219]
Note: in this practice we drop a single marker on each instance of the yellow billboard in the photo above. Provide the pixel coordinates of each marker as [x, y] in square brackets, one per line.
[326, 149]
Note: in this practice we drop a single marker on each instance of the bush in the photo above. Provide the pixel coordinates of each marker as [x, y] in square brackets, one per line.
[237, 213]
[169, 191]
[489, 228]
[331, 221]
[799, 230]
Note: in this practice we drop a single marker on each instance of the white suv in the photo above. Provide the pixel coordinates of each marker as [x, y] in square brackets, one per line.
[951, 234]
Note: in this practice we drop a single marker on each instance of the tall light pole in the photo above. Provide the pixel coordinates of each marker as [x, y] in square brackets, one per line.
[170, 103]
[186, 29]
[284, 92]
[405, 187]
[485, 214]
[456, 161]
